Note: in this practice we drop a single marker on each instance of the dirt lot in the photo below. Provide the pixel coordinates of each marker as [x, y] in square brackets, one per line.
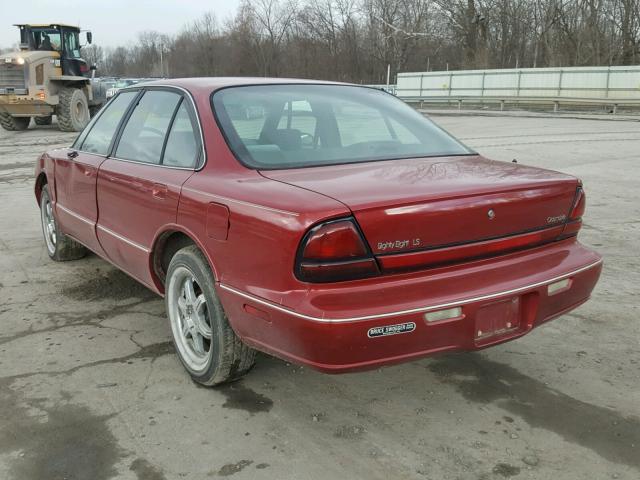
[90, 388]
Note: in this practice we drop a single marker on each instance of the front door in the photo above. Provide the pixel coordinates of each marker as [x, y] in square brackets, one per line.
[139, 186]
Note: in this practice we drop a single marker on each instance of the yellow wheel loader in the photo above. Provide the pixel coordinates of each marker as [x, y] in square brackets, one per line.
[46, 77]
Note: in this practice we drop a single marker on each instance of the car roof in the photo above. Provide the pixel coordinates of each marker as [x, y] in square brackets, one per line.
[215, 83]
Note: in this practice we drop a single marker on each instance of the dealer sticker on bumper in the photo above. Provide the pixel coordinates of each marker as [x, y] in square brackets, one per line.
[391, 329]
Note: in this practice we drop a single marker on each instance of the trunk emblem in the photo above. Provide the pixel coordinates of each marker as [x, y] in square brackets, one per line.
[491, 214]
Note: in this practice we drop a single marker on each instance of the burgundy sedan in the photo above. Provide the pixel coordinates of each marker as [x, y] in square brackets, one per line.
[327, 224]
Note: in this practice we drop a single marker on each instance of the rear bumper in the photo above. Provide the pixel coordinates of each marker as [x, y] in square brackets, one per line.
[341, 328]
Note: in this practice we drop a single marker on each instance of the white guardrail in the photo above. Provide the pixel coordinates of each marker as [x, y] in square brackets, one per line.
[576, 85]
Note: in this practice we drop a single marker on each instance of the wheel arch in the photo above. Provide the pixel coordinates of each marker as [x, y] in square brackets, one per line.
[41, 181]
[44, 166]
[166, 243]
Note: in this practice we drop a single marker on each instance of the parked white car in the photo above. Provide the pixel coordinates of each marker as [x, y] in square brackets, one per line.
[123, 82]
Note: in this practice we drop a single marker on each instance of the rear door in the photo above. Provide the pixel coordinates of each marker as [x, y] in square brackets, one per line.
[76, 173]
[139, 185]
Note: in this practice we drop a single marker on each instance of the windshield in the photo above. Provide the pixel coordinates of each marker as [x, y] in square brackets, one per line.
[288, 126]
[45, 39]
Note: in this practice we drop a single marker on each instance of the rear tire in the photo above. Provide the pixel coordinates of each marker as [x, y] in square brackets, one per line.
[60, 247]
[72, 110]
[43, 120]
[12, 123]
[205, 343]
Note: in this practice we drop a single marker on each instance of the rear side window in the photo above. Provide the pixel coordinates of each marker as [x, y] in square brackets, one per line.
[182, 147]
[100, 134]
[143, 137]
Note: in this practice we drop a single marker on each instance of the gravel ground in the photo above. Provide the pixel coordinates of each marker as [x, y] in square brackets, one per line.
[90, 387]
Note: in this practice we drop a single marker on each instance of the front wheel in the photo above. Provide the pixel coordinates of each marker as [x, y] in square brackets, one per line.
[206, 344]
[60, 247]
[72, 110]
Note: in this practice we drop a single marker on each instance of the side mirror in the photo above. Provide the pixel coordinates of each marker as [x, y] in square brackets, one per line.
[89, 37]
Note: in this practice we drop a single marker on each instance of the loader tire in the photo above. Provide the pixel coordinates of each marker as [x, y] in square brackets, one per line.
[12, 123]
[73, 109]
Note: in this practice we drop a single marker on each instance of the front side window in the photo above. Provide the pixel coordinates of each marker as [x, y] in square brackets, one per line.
[143, 137]
[290, 126]
[99, 134]
[71, 43]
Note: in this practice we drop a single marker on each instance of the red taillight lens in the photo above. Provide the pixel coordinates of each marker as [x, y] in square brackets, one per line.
[573, 225]
[579, 205]
[335, 251]
[334, 241]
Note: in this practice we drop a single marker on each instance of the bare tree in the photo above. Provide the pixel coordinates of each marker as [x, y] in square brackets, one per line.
[355, 40]
[270, 22]
[94, 55]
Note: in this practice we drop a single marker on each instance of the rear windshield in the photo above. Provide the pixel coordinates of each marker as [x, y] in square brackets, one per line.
[290, 126]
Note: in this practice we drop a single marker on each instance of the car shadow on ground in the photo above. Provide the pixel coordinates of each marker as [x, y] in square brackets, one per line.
[474, 376]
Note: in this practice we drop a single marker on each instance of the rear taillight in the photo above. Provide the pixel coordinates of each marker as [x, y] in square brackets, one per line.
[335, 251]
[579, 205]
[574, 223]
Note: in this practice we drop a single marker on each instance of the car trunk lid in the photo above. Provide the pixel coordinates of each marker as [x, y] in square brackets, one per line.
[434, 203]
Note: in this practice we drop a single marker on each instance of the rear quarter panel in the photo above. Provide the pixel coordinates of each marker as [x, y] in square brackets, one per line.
[267, 220]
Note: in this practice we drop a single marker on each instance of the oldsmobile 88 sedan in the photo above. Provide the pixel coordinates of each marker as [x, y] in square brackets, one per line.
[327, 224]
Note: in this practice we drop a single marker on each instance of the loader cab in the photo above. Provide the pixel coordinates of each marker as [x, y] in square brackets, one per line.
[63, 39]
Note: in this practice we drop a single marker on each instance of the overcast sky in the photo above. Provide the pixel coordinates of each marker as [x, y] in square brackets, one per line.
[113, 22]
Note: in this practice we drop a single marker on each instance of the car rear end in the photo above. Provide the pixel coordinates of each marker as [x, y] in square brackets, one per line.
[443, 251]
[358, 312]
[367, 324]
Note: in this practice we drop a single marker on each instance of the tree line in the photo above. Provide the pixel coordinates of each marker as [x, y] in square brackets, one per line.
[355, 40]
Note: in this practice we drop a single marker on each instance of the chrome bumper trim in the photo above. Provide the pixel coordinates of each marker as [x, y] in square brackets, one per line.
[410, 311]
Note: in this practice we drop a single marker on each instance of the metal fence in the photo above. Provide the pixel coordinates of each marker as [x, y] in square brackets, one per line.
[614, 85]
[391, 88]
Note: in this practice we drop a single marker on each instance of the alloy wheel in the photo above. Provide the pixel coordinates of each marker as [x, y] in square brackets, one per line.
[189, 318]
